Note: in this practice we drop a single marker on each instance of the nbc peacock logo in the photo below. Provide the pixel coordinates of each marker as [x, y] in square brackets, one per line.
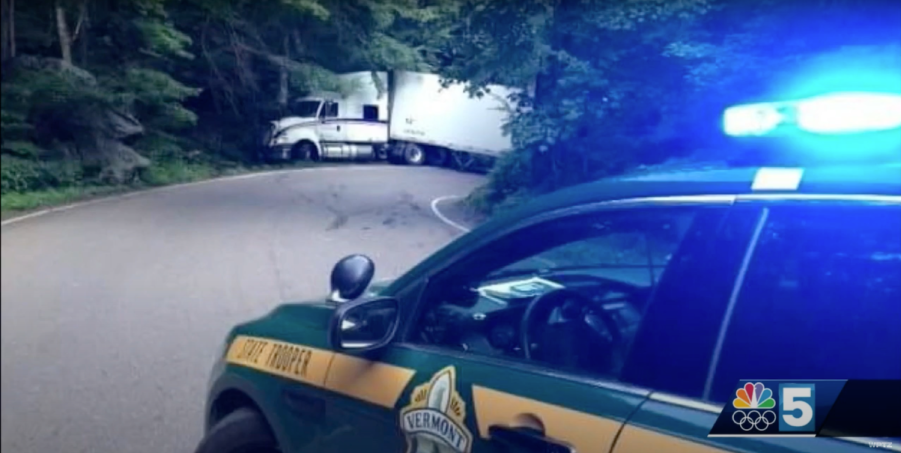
[753, 407]
[434, 420]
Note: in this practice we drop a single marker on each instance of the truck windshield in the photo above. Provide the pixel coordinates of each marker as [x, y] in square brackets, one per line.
[305, 109]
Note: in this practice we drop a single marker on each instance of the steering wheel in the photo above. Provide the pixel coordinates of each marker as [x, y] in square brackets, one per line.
[579, 316]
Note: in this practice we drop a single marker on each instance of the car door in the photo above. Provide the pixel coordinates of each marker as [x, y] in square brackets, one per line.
[815, 284]
[453, 386]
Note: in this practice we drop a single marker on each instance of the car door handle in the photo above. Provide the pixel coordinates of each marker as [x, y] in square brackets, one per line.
[339, 127]
[526, 440]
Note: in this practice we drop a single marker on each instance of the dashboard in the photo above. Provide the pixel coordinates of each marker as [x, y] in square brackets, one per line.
[489, 323]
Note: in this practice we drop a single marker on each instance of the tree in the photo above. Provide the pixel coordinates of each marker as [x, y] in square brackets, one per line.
[611, 86]
[7, 30]
[596, 83]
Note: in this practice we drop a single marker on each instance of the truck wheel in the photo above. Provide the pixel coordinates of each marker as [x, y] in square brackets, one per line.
[381, 152]
[304, 150]
[243, 431]
[413, 154]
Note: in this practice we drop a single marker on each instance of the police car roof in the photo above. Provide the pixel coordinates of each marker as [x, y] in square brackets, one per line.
[870, 180]
[847, 180]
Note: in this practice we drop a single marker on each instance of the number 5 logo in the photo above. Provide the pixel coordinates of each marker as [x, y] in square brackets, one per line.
[796, 409]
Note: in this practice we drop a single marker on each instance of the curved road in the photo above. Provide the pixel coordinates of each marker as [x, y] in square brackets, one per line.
[112, 312]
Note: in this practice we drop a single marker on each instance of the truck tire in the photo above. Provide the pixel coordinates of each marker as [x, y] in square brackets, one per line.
[243, 431]
[304, 150]
[381, 153]
[413, 154]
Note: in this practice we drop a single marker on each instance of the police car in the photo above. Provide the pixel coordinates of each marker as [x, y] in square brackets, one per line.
[614, 316]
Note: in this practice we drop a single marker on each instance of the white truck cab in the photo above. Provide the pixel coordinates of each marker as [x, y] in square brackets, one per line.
[414, 120]
[329, 125]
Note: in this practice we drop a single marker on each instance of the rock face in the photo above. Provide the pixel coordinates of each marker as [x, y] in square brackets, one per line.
[94, 130]
[117, 161]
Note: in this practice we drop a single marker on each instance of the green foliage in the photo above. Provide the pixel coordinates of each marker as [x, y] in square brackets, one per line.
[583, 69]
[50, 90]
[162, 39]
[18, 174]
[610, 87]
[173, 172]
[158, 98]
[311, 7]
[24, 175]
[19, 201]
[14, 125]
[509, 183]
[22, 148]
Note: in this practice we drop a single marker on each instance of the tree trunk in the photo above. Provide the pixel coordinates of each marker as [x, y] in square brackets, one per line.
[283, 78]
[545, 163]
[80, 36]
[8, 30]
[62, 29]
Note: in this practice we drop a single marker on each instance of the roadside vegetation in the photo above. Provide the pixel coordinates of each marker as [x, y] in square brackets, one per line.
[100, 96]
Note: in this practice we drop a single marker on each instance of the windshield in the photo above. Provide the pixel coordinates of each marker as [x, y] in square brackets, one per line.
[305, 108]
[615, 250]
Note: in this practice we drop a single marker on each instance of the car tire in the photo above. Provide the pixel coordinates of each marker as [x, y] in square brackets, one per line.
[243, 431]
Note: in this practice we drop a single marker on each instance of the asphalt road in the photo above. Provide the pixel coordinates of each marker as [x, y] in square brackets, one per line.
[112, 312]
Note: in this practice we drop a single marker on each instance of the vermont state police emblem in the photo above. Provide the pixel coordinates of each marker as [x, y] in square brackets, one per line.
[434, 420]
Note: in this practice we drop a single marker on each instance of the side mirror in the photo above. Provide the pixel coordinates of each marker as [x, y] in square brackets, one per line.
[350, 277]
[364, 325]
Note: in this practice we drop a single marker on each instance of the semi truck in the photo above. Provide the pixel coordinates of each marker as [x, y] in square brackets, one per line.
[403, 117]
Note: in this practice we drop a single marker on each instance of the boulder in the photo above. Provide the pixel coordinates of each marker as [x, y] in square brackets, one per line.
[95, 128]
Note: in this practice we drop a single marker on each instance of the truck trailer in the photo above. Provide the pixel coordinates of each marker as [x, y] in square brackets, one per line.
[403, 117]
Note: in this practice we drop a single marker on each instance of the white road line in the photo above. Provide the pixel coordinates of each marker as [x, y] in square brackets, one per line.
[444, 218]
[462, 228]
[178, 186]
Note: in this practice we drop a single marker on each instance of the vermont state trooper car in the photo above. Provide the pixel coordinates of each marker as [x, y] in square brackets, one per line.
[615, 316]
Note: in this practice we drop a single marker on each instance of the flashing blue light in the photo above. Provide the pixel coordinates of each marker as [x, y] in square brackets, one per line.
[830, 114]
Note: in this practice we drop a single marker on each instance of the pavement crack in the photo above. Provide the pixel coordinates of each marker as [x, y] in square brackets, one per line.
[338, 221]
[298, 199]
[340, 217]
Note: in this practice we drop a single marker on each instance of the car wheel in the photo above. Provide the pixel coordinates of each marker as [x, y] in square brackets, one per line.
[414, 155]
[243, 431]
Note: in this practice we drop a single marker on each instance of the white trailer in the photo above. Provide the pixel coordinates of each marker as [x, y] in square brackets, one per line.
[404, 117]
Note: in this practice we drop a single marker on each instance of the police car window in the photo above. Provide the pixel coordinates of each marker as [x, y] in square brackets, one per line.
[616, 247]
[601, 269]
[820, 299]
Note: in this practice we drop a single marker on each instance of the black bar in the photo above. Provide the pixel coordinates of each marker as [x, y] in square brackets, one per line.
[865, 408]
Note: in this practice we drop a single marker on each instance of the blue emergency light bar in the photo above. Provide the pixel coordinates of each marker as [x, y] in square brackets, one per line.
[830, 114]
